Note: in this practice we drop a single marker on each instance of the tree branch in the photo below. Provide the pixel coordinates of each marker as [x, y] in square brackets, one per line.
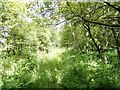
[110, 25]
[116, 8]
[91, 36]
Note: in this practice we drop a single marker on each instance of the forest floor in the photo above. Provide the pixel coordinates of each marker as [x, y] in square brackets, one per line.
[62, 68]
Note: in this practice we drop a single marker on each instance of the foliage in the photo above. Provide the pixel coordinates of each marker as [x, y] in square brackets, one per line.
[69, 70]
[35, 54]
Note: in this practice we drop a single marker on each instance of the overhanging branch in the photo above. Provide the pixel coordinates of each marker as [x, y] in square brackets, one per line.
[116, 8]
[98, 23]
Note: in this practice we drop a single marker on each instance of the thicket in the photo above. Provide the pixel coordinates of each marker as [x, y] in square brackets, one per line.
[82, 53]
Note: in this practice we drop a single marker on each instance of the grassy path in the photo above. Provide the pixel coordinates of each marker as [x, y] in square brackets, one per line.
[53, 53]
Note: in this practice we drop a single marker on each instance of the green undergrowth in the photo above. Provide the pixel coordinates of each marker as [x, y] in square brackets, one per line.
[71, 69]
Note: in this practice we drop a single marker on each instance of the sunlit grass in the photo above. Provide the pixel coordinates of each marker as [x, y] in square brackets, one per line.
[59, 68]
[54, 52]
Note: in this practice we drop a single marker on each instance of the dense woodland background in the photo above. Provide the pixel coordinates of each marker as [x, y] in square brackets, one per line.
[59, 44]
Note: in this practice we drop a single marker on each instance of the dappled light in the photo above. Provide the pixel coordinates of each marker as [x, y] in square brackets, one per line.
[59, 44]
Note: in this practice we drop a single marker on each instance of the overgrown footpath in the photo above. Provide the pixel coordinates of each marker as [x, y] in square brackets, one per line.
[69, 69]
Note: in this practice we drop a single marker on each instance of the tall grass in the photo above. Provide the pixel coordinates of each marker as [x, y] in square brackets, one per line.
[70, 69]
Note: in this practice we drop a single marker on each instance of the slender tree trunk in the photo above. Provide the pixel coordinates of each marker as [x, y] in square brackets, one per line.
[117, 40]
[89, 31]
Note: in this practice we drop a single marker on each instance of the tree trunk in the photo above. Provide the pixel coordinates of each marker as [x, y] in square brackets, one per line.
[89, 31]
[117, 40]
